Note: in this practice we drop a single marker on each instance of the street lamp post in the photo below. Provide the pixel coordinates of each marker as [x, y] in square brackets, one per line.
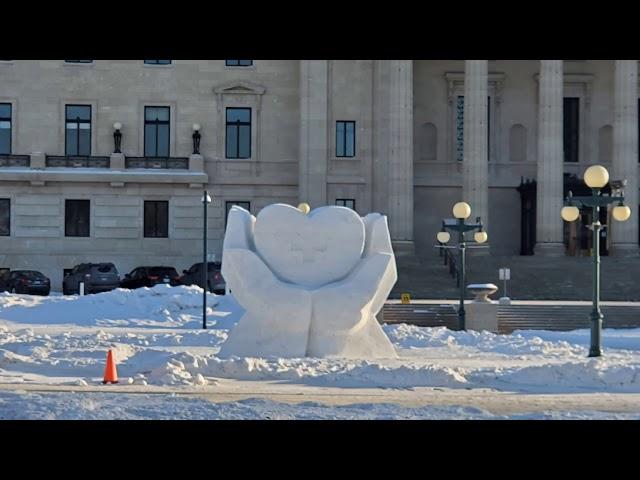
[596, 177]
[461, 211]
[206, 199]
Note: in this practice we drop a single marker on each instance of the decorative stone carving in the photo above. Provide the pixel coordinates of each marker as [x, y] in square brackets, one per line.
[291, 311]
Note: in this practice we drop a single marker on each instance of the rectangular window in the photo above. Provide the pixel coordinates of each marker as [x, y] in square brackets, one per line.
[156, 219]
[5, 128]
[460, 128]
[238, 63]
[571, 126]
[346, 202]
[157, 62]
[76, 218]
[78, 61]
[238, 121]
[245, 205]
[5, 217]
[156, 131]
[78, 130]
[345, 139]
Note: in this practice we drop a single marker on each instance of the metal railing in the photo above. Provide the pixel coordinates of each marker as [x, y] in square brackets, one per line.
[450, 260]
[170, 163]
[68, 161]
[15, 161]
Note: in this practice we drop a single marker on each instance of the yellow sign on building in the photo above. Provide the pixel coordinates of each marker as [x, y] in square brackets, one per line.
[405, 298]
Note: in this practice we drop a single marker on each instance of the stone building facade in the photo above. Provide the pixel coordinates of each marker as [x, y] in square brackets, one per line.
[406, 138]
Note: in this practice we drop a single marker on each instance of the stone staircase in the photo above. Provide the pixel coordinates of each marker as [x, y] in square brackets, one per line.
[532, 278]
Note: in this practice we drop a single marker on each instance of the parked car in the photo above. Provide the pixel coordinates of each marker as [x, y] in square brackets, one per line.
[97, 277]
[150, 276]
[31, 282]
[215, 281]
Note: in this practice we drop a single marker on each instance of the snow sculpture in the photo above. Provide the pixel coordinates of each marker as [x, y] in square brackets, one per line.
[311, 283]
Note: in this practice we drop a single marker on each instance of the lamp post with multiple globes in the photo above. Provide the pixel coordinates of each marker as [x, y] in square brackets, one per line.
[596, 177]
[461, 211]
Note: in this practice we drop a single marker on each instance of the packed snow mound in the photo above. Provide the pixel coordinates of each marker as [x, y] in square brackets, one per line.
[161, 306]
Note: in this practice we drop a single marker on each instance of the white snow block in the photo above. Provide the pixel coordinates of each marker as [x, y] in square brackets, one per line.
[311, 284]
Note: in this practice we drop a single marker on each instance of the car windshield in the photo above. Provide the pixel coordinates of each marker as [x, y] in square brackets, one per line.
[30, 274]
[162, 271]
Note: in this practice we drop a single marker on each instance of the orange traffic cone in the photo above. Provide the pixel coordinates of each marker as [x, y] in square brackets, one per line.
[110, 373]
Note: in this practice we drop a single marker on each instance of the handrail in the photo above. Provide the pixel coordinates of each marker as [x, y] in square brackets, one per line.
[73, 161]
[10, 160]
[172, 163]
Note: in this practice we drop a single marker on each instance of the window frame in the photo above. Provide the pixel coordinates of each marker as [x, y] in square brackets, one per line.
[77, 122]
[10, 120]
[342, 202]
[344, 139]
[575, 133]
[227, 64]
[8, 203]
[156, 123]
[156, 219]
[237, 124]
[76, 201]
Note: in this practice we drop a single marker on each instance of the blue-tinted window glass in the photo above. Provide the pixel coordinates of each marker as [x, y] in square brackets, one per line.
[158, 62]
[238, 129]
[78, 130]
[156, 131]
[345, 138]
[238, 63]
[5, 128]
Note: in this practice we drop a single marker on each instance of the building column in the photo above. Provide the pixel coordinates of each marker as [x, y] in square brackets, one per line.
[625, 154]
[400, 155]
[475, 168]
[549, 234]
[312, 176]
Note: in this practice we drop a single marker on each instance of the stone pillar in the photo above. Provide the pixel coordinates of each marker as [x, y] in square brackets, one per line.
[313, 132]
[549, 238]
[400, 173]
[117, 161]
[196, 162]
[38, 160]
[625, 154]
[475, 168]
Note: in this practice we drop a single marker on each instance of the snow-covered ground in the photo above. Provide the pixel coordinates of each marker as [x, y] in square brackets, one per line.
[157, 340]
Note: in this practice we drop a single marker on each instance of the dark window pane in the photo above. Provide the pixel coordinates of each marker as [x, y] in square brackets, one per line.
[232, 141]
[79, 111]
[157, 62]
[346, 202]
[231, 63]
[350, 140]
[5, 110]
[5, 138]
[238, 115]
[150, 141]
[244, 143]
[84, 144]
[156, 219]
[245, 63]
[157, 113]
[78, 61]
[163, 141]
[76, 218]
[571, 113]
[5, 217]
[340, 139]
[72, 140]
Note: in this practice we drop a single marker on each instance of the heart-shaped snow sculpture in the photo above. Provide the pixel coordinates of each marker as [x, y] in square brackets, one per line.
[309, 250]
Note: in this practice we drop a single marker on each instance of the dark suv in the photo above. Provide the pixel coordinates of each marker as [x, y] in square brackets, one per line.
[150, 276]
[97, 277]
[28, 281]
[215, 281]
